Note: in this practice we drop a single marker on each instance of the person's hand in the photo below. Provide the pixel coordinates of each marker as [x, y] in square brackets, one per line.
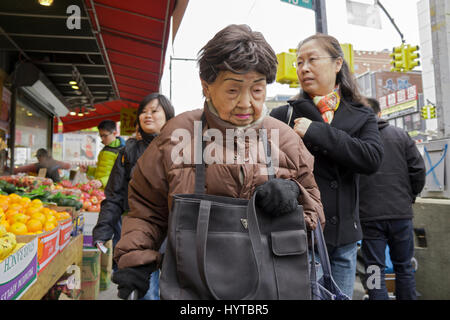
[83, 168]
[133, 278]
[301, 126]
[277, 196]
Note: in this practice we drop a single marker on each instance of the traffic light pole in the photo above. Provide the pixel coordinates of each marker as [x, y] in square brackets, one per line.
[321, 16]
[377, 2]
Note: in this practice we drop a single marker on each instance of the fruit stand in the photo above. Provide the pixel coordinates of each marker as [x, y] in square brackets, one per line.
[41, 237]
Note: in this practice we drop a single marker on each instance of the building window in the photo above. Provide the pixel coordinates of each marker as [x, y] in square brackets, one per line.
[33, 130]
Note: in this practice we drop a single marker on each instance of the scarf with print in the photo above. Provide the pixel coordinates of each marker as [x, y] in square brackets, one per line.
[328, 104]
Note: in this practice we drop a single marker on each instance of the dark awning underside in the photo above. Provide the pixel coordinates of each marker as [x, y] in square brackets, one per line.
[118, 51]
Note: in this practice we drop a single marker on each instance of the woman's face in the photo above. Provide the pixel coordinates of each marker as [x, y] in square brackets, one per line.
[316, 69]
[238, 98]
[153, 117]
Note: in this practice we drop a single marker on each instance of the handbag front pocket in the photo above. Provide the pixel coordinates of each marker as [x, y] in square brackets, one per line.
[290, 250]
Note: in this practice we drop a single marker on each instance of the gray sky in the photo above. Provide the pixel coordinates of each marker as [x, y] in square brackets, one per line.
[284, 26]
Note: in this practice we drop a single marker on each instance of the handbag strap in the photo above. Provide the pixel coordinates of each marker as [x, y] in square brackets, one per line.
[289, 113]
[202, 239]
[200, 168]
[323, 254]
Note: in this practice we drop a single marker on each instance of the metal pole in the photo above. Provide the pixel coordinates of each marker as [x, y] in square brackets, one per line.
[170, 70]
[321, 16]
[170, 76]
[377, 2]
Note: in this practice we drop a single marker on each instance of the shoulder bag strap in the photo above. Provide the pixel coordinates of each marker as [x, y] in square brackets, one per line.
[200, 168]
[323, 254]
[289, 113]
[268, 153]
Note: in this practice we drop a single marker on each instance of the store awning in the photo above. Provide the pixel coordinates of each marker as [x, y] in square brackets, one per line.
[105, 110]
[117, 52]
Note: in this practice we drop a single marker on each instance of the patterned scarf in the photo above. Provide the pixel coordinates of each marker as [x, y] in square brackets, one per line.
[328, 104]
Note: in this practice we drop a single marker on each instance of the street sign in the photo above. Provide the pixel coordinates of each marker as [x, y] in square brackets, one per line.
[301, 3]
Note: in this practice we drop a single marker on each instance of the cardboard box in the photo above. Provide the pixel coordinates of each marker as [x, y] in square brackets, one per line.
[106, 261]
[90, 274]
[90, 220]
[90, 270]
[47, 247]
[90, 290]
[18, 271]
[65, 232]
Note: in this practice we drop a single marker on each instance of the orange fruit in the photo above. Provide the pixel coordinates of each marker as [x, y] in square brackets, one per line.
[45, 210]
[63, 215]
[13, 198]
[34, 225]
[49, 226]
[4, 204]
[39, 216]
[19, 217]
[18, 228]
[51, 219]
[31, 210]
[6, 224]
[25, 202]
[36, 203]
[15, 206]
[9, 213]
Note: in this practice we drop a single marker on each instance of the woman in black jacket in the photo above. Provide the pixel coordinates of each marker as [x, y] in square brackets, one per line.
[343, 137]
[153, 112]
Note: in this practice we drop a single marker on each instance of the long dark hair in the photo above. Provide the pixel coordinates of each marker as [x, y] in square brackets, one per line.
[347, 82]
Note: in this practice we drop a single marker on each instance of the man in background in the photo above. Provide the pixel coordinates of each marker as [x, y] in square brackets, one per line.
[386, 214]
[45, 161]
[107, 156]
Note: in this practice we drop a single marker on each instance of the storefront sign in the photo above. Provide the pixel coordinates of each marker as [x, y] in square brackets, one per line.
[127, 120]
[401, 109]
[398, 98]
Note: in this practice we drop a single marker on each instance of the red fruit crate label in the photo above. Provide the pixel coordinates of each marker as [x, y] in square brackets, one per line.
[65, 231]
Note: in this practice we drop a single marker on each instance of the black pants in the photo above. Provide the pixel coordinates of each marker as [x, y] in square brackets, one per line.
[398, 234]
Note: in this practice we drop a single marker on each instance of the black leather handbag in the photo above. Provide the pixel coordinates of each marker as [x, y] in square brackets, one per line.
[225, 248]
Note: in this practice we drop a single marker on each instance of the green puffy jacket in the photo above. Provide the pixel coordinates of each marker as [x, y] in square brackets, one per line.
[105, 161]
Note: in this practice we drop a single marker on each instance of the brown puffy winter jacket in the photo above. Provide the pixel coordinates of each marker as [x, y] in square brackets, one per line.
[156, 178]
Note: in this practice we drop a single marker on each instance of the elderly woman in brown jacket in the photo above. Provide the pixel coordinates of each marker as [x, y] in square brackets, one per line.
[235, 68]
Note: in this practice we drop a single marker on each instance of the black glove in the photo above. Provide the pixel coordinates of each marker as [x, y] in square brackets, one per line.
[277, 196]
[133, 278]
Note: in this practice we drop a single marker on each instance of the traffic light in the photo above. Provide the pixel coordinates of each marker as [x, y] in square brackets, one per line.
[347, 49]
[287, 67]
[433, 113]
[411, 57]
[398, 59]
[424, 112]
[428, 112]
